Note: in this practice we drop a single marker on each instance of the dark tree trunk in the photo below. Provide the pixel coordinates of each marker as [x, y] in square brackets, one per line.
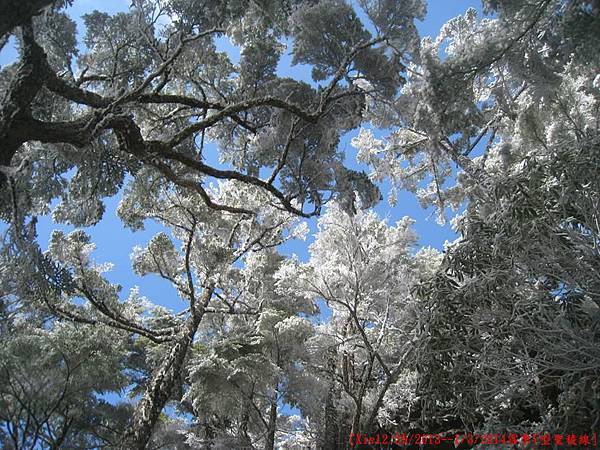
[332, 426]
[245, 441]
[16, 103]
[14, 13]
[356, 418]
[161, 386]
[272, 424]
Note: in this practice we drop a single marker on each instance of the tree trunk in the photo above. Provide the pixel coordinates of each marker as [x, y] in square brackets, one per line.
[330, 438]
[270, 442]
[245, 441]
[356, 418]
[160, 387]
[17, 12]
[16, 103]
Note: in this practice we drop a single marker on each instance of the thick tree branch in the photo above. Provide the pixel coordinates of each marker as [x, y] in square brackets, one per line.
[16, 103]
[163, 381]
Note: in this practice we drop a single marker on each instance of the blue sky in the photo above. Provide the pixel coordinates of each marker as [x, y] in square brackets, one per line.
[114, 243]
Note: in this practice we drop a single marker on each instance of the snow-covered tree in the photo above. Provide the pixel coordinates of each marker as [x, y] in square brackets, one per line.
[508, 120]
[498, 117]
[364, 271]
[141, 100]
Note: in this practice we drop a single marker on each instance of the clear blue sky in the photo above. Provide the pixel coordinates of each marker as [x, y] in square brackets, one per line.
[114, 243]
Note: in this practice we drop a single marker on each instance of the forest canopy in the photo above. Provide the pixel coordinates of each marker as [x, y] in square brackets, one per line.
[494, 123]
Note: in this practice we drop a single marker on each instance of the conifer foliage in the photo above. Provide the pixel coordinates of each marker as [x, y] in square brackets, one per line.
[495, 123]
